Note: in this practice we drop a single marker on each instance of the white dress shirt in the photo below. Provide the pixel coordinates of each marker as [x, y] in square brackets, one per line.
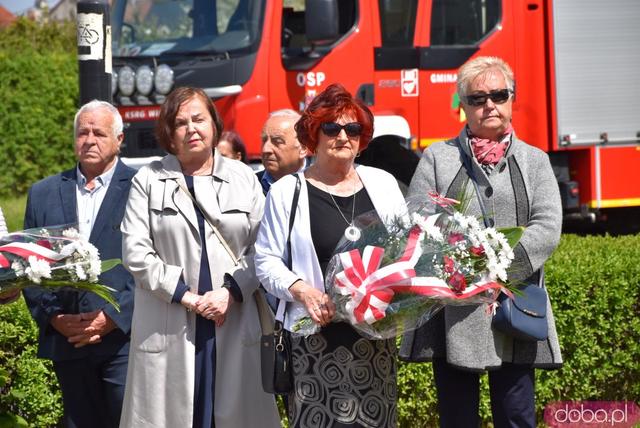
[88, 201]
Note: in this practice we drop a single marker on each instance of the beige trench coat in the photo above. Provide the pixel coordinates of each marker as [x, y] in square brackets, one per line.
[161, 242]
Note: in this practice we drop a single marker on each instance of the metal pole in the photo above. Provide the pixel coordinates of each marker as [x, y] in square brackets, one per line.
[94, 50]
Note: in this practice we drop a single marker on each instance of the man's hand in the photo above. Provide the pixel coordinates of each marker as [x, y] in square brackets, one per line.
[83, 329]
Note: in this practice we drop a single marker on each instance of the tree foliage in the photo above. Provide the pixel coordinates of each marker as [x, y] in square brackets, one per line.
[39, 93]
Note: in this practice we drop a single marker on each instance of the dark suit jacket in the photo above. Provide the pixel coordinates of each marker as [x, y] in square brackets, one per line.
[52, 201]
[259, 174]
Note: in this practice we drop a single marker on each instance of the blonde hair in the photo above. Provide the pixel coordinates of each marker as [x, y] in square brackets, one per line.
[479, 66]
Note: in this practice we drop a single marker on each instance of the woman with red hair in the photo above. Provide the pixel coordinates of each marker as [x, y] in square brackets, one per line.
[340, 378]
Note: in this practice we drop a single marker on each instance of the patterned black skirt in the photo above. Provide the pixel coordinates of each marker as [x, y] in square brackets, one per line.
[343, 380]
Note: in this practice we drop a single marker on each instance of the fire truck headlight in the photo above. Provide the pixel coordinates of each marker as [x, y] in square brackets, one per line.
[164, 79]
[126, 81]
[114, 82]
[144, 79]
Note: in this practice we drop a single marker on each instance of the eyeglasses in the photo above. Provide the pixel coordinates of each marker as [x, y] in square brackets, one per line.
[332, 129]
[499, 96]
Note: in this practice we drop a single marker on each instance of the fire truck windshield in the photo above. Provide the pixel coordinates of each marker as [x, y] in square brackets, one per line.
[156, 27]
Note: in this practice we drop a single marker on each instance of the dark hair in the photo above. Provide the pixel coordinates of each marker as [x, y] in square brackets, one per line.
[166, 124]
[237, 145]
[330, 104]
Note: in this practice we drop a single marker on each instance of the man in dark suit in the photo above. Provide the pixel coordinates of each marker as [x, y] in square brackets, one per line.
[86, 338]
[282, 153]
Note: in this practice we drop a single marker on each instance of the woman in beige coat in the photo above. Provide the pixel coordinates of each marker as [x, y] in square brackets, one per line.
[194, 359]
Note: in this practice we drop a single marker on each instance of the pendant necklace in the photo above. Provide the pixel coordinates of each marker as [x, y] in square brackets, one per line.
[352, 232]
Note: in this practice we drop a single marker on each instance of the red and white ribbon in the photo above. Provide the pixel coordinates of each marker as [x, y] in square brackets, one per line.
[442, 201]
[372, 288]
[436, 287]
[26, 250]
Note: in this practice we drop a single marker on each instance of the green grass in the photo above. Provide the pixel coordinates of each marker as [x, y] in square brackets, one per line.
[13, 209]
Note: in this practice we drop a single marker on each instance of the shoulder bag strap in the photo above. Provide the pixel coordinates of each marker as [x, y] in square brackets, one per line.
[292, 217]
[236, 260]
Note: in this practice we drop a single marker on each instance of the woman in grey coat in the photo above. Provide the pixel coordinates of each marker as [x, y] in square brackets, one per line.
[518, 187]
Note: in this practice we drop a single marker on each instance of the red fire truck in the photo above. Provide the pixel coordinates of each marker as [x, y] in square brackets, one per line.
[576, 63]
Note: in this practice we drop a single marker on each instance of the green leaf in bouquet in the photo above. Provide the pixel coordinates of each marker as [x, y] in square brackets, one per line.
[304, 323]
[109, 264]
[513, 234]
[101, 290]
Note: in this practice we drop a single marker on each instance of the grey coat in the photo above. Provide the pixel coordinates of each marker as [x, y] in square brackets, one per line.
[521, 190]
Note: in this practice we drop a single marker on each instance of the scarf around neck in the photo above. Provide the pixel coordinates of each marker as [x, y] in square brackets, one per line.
[490, 152]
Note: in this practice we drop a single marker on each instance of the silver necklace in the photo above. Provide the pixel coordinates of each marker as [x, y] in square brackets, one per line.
[352, 232]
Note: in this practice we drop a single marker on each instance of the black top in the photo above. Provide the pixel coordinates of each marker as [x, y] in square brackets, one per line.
[327, 225]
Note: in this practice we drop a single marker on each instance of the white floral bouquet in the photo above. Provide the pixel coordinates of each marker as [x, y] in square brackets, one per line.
[52, 257]
[395, 278]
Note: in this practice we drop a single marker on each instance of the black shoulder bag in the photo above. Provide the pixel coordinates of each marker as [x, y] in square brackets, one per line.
[523, 317]
[275, 344]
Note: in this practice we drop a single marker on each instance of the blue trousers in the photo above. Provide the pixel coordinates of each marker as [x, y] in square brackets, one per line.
[92, 390]
[512, 391]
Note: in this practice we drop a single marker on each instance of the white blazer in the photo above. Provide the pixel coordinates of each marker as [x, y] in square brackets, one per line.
[271, 256]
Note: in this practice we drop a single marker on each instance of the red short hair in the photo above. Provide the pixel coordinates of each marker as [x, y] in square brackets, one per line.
[335, 101]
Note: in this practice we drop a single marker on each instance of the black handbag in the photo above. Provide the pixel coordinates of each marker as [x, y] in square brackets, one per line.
[275, 344]
[525, 316]
[275, 350]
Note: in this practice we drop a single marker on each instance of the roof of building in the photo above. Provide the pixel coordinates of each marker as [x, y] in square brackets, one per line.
[6, 17]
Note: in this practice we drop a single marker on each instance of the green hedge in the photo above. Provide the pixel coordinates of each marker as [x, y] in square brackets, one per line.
[594, 287]
[39, 93]
[28, 386]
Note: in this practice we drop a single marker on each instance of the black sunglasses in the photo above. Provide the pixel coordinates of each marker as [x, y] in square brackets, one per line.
[332, 129]
[499, 96]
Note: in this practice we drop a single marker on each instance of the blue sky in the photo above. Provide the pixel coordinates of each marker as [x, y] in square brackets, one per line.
[20, 6]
